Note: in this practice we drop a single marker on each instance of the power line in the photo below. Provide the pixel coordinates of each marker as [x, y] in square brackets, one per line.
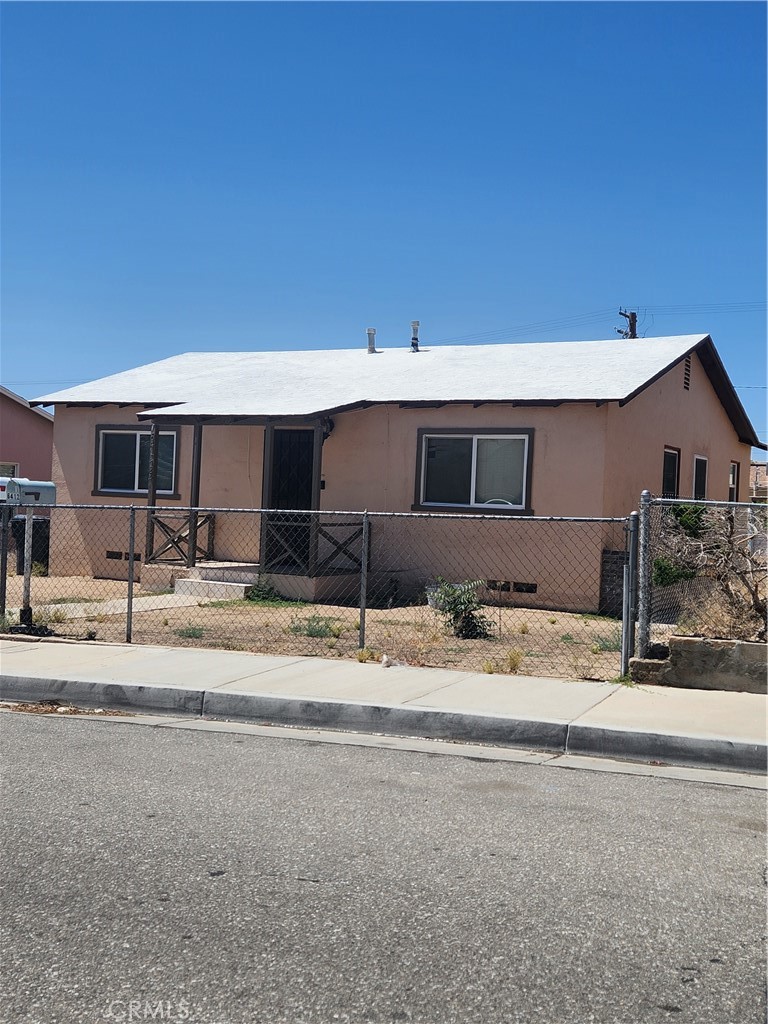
[713, 307]
[603, 316]
[584, 320]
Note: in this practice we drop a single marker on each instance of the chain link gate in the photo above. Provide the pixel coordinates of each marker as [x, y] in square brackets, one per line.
[702, 569]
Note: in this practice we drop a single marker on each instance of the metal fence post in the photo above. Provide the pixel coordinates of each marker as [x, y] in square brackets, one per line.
[626, 625]
[634, 527]
[25, 612]
[628, 604]
[644, 575]
[131, 573]
[364, 557]
[5, 516]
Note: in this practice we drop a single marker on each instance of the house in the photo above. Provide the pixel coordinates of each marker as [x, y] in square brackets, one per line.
[758, 482]
[26, 438]
[551, 429]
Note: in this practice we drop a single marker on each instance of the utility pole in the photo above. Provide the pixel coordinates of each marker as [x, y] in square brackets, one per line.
[631, 329]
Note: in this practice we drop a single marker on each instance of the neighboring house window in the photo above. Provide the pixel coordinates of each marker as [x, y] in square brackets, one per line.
[733, 482]
[123, 460]
[9, 469]
[475, 469]
[699, 477]
[670, 484]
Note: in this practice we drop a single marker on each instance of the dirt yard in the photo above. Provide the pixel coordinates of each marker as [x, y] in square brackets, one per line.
[63, 589]
[528, 641]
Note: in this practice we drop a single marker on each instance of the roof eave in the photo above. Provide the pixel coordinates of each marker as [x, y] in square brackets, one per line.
[224, 419]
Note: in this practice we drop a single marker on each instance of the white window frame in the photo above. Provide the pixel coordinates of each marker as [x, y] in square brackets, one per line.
[14, 472]
[705, 460]
[138, 434]
[734, 480]
[669, 450]
[464, 435]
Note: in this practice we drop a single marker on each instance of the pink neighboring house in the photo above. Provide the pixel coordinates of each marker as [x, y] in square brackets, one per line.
[26, 438]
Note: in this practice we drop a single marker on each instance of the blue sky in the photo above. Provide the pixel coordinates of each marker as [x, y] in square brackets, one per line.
[221, 176]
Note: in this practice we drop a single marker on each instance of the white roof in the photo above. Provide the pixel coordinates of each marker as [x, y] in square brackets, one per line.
[303, 383]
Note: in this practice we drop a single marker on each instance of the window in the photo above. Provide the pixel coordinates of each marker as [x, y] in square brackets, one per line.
[9, 469]
[733, 482]
[122, 460]
[699, 477]
[488, 470]
[670, 484]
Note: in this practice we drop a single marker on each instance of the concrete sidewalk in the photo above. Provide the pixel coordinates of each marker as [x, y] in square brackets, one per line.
[644, 723]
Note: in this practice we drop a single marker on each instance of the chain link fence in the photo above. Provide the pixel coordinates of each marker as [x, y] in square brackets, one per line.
[498, 594]
[703, 570]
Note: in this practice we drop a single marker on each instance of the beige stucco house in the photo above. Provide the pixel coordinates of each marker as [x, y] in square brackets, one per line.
[555, 429]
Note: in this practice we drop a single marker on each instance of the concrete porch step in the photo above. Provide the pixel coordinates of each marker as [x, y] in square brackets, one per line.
[225, 572]
[211, 590]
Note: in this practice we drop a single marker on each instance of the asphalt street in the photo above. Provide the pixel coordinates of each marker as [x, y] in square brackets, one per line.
[151, 874]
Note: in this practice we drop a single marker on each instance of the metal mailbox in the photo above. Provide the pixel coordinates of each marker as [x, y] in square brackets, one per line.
[21, 491]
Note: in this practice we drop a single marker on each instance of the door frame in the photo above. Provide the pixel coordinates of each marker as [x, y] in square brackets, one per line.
[317, 460]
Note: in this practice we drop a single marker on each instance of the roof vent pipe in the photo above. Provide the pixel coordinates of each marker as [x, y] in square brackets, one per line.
[414, 335]
[371, 332]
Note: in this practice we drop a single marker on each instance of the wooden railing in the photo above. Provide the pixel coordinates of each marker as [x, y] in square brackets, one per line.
[171, 537]
[300, 545]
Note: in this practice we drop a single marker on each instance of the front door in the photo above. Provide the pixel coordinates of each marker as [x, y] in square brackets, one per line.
[291, 485]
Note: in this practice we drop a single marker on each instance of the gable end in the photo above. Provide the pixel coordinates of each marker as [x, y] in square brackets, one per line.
[722, 385]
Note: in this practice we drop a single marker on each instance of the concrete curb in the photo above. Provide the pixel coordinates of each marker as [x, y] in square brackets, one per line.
[698, 751]
[396, 720]
[136, 696]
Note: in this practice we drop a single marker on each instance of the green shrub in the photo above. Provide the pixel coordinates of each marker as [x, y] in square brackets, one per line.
[690, 518]
[264, 593]
[461, 610]
[666, 572]
[315, 626]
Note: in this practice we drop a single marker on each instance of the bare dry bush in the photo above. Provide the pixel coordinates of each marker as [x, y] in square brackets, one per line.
[727, 546]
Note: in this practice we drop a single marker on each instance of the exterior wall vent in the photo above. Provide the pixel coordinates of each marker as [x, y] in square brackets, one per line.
[687, 374]
[414, 335]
